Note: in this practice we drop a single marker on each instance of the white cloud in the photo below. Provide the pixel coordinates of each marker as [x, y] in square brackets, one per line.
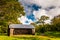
[47, 21]
[23, 20]
[39, 13]
[44, 4]
[54, 12]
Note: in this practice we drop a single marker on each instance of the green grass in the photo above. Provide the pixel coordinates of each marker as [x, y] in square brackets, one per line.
[19, 38]
[53, 34]
[27, 37]
[48, 36]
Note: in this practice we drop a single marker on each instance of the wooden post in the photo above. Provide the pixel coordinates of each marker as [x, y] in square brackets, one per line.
[33, 31]
[11, 31]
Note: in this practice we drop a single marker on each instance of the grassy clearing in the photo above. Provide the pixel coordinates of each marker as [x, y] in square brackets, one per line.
[48, 36]
[27, 37]
[24, 37]
[53, 34]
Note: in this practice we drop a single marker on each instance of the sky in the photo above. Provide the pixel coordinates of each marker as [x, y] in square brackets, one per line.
[34, 9]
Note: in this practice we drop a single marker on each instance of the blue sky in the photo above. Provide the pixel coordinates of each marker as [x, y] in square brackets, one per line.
[33, 7]
[36, 8]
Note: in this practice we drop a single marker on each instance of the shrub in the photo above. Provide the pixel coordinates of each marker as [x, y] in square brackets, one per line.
[40, 29]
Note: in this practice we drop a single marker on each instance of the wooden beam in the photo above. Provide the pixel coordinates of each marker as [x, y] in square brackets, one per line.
[33, 31]
[11, 31]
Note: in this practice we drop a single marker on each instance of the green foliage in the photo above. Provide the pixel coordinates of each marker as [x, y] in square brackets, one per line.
[10, 10]
[56, 22]
[40, 29]
[54, 26]
[43, 18]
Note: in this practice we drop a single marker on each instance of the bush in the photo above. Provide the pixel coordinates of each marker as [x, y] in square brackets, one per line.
[40, 29]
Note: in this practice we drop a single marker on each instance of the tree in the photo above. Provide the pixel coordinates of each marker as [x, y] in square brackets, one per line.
[56, 19]
[56, 22]
[41, 28]
[43, 19]
[10, 10]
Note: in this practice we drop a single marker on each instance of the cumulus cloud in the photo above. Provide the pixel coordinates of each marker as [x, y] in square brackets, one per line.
[43, 3]
[25, 20]
[39, 13]
[54, 12]
[49, 8]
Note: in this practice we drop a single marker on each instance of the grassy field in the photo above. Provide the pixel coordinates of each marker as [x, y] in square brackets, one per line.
[53, 34]
[28, 37]
[47, 36]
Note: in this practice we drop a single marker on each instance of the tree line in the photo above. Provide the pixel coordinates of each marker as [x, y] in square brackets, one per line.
[53, 26]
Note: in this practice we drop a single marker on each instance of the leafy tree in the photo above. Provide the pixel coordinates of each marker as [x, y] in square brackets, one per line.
[43, 19]
[10, 10]
[56, 22]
